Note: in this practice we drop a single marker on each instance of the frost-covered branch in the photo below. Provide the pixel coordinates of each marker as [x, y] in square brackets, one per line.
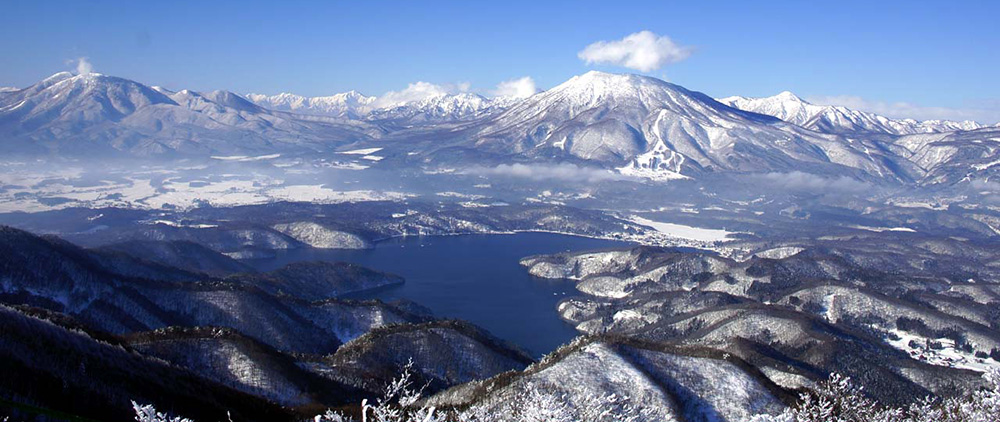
[148, 413]
[837, 400]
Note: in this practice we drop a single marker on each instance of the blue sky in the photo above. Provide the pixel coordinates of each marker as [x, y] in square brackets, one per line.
[926, 59]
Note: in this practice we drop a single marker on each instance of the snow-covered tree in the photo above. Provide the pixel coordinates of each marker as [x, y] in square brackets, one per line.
[397, 404]
[148, 413]
[835, 400]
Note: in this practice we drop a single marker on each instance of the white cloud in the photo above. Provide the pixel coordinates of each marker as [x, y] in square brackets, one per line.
[418, 91]
[643, 51]
[808, 182]
[83, 66]
[564, 172]
[516, 88]
[985, 113]
[989, 191]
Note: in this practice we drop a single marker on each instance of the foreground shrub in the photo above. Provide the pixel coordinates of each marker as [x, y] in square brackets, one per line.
[834, 400]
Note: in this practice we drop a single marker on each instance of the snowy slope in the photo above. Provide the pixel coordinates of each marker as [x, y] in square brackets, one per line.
[608, 381]
[954, 157]
[837, 119]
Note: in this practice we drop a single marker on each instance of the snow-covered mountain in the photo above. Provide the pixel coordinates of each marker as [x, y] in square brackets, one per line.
[351, 104]
[639, 125]
[77, 101]
[838, 119]
[656, 129]
[90, 113]
[445, 108]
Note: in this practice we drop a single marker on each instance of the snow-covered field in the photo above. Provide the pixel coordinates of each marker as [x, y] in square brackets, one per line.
[884, 229]
[244, 158]
[366, 151]
[683, 231]
[23, 189]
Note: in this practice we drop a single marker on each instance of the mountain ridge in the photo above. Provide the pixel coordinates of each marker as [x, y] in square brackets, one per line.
[93, 113]
[635, 125]
[839, 119]
[461, 106]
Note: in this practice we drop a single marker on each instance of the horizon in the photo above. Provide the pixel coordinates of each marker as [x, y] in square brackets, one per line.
[381, 50]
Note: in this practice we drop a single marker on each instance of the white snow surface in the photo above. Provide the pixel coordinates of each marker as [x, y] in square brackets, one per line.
[363, 151]
[683, 231]
[30, 190]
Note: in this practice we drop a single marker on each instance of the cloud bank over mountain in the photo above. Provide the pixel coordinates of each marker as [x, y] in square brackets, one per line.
[643, 51]
[523, 87]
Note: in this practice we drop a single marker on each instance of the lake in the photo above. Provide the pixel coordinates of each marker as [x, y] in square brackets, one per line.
[476, 278]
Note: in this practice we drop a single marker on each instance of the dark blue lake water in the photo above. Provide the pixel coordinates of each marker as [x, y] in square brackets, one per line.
[476, 278]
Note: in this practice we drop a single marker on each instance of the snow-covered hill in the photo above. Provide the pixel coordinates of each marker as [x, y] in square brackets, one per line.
[838, 119]
[588, 380]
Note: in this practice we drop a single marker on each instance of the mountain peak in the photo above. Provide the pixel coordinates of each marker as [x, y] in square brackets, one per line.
[789, 96]
[595, 76]
[595, 87]
[57, 77]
